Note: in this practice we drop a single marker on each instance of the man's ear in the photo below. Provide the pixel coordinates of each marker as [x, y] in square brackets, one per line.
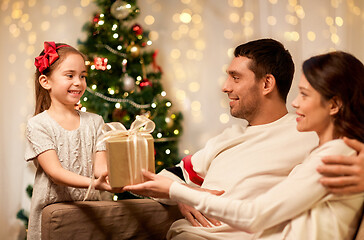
[44, 82]
[335, 105]
[269, 83]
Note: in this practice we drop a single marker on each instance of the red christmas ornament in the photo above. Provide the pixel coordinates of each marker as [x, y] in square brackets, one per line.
[118, 114]
[137, 29]
[145, 83]
[97, 18]
[100, 63]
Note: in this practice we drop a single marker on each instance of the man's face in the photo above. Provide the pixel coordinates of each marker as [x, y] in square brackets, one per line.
[242, 89]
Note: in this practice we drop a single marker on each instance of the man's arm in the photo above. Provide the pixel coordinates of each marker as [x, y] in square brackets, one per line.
[195, 217]
[344, 174]
[184, 173]
[192, 215]
[178, 173]
[298, 193]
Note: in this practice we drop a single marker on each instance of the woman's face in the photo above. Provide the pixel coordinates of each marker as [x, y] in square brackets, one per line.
[314, 113]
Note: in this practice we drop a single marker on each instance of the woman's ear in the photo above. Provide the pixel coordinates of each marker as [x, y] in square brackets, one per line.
[269, 83]
[44, 82]
[335, 105]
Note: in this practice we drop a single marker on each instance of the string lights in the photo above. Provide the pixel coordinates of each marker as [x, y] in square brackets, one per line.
[118, 100]
[22, 21]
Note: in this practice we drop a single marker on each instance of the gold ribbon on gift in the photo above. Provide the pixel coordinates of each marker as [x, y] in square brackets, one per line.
[136, 143]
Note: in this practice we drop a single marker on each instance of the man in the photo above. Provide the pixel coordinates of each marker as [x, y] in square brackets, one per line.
[246, 160]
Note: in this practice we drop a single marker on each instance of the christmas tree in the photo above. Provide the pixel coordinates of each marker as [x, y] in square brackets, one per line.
[124, 79]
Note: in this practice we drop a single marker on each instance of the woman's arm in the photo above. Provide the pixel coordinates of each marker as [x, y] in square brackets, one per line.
[49, 162]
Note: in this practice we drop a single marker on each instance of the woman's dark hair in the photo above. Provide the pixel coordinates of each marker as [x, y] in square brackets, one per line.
[42, 98]
[339, 75]
[269, 57]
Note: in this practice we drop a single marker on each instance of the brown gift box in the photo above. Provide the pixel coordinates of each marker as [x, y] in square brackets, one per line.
[127, 156]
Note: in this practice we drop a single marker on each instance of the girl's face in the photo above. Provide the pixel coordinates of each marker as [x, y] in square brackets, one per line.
[314, 113]
[68, 80]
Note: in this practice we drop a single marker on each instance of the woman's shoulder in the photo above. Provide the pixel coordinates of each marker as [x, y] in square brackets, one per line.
[334, 147]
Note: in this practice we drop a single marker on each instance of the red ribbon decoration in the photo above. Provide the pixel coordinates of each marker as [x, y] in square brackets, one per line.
[50, 56]
[156, 67]
[145, 83]
[100, 63]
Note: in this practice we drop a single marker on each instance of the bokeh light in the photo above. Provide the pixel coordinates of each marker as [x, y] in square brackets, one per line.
[149, 20]
[185, 17]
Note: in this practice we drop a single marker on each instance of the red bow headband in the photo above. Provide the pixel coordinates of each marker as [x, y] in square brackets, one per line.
[50, 56]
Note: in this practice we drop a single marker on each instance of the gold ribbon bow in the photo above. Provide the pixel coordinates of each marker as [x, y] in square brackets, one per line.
[141, 125]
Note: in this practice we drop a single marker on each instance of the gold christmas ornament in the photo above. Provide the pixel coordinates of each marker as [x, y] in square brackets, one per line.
[133, 49]
[169, 122]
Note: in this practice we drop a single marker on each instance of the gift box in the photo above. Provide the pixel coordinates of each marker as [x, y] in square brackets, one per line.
[129, 151]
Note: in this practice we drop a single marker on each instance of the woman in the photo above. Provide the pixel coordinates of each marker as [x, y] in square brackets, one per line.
[330, 102]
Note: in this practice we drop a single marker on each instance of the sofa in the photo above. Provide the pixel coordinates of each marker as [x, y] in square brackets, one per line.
[125, 219]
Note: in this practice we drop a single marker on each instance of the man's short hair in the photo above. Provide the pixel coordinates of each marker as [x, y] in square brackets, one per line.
[269, 57]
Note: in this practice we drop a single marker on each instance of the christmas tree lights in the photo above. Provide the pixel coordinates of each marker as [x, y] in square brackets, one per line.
[124, 79]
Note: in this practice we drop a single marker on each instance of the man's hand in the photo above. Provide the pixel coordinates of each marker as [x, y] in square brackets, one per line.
[344, 174]
[155, 186]
[196, 218]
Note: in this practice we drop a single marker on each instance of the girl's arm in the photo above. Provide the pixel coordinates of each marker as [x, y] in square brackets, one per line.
[100, 165]
[49, 162]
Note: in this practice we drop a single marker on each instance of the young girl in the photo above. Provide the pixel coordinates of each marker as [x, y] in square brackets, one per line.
[331, 103]
[61, 140]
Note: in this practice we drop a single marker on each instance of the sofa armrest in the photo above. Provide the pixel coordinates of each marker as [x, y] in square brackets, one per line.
[124, 219]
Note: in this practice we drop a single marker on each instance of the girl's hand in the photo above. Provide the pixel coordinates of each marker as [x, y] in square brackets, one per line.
[102, 182]
[155, 186]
